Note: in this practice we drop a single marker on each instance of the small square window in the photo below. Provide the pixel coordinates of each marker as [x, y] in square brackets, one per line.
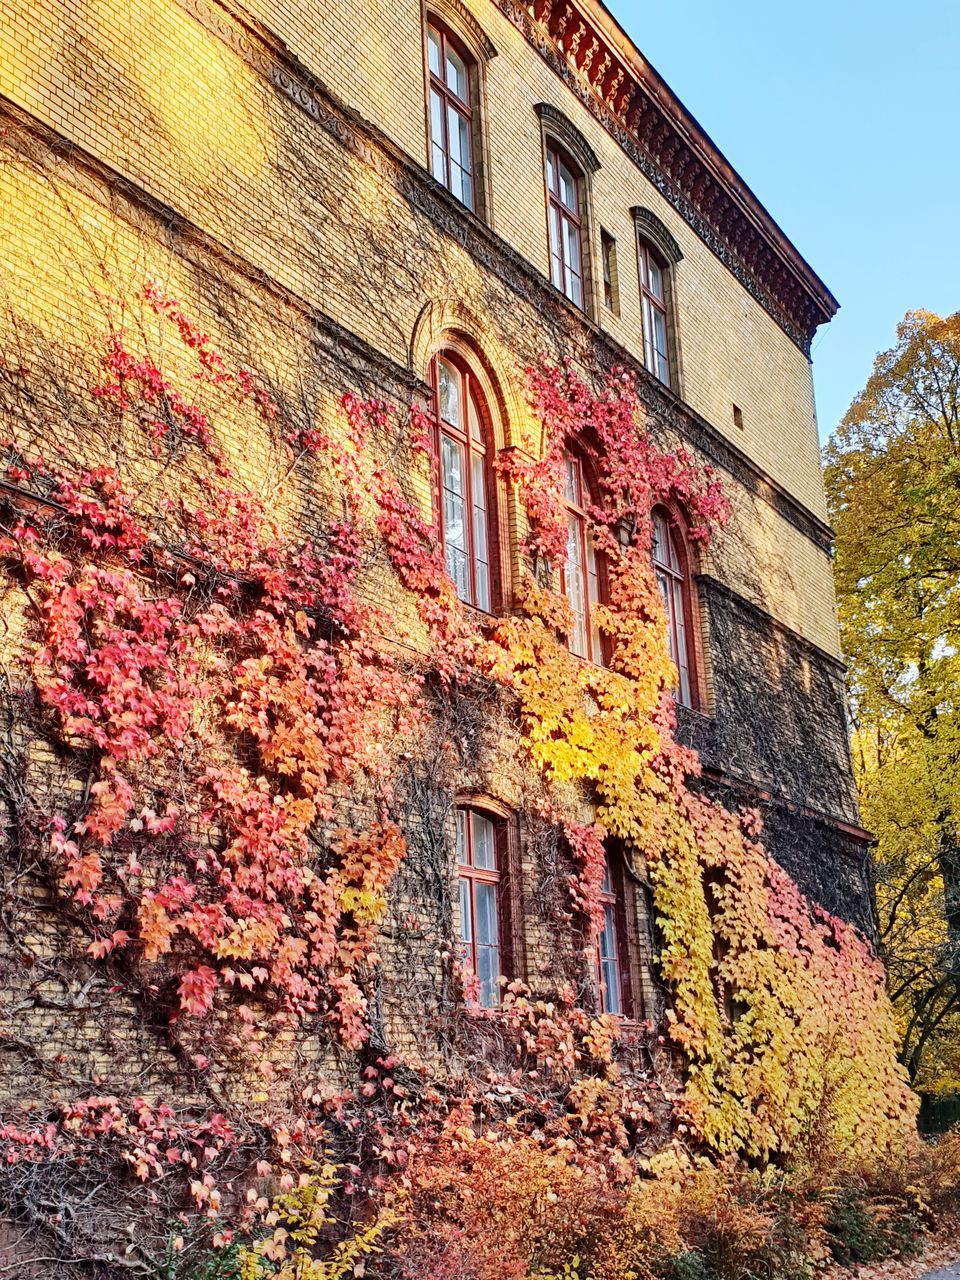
[738, 417]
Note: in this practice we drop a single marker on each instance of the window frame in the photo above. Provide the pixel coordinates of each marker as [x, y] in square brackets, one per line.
[653, 239]
[616, 898]
[467, 109]
[655, 361]
[507, 861]
[555, 155]
[470, 386]
[577, 509]
[684, 590]
[470, 874]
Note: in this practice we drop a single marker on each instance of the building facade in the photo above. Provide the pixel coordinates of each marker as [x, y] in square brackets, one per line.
[415, 201]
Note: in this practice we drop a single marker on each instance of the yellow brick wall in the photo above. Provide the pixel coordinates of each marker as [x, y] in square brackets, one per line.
[145, 87]
[733, 352]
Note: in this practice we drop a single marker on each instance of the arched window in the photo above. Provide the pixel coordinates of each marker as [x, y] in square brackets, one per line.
[611, 973]
[565, 221]
[450, 99]
[479, 859]
[463, 479]
[653, 300]
[581, 571]
[670, 564]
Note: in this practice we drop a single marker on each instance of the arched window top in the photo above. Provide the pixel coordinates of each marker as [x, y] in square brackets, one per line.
[668, 550]
[564, 134]
[463, 26]
[460, 402]
[464, 482]
[656, 234]
[671, 562]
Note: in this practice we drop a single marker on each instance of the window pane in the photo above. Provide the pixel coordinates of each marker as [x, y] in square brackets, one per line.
[575, 289]
[611, 988]
[485, 905]
[552, 173]
[439, 160]
[571, 254]
[480, 545]
[488, 964]
[449, 388]
[680, 643]
[607, 884]
[433, 50]
[457, 75]
[461, 184]
[609, 961]
[576, 587]
[572, 490]
[660, 540]
[466, 915]
[454, 516]
[568, 187]
[458, 569]
[473, 413]
[556, 259]
[461, 836]
[459, 132]
[655, 279]
[649, 354]
[660, 338]
[453, 472]
[484, 849]
[593, 591]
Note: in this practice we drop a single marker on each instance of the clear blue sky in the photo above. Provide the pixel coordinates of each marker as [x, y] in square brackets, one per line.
[843, 116]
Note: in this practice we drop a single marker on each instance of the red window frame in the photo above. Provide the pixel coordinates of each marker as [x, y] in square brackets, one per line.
[470, 876]
[652, 305]
[673, 578]
[450, 100]
[560, 216]
[594, 649]
[470, 393]
[611, 951]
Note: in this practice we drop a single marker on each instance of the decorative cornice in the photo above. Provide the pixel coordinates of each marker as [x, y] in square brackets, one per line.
[650, 227]
[598, 62]
[568, 135]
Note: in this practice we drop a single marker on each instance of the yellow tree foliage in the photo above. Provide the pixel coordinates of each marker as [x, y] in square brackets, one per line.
[893, 480]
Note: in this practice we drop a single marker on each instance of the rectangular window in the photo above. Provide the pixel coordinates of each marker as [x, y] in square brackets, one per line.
[611, 970]
[564, 225]
[450, 113]
[480, 906]
[653, 302]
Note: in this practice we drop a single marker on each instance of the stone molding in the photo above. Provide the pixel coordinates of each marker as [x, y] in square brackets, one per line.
[650, 227]
[556, 124]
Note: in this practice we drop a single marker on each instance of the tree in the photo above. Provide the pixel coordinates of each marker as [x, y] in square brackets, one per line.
[893, 485]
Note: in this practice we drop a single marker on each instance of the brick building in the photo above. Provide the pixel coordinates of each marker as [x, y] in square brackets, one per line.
[416, 200]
